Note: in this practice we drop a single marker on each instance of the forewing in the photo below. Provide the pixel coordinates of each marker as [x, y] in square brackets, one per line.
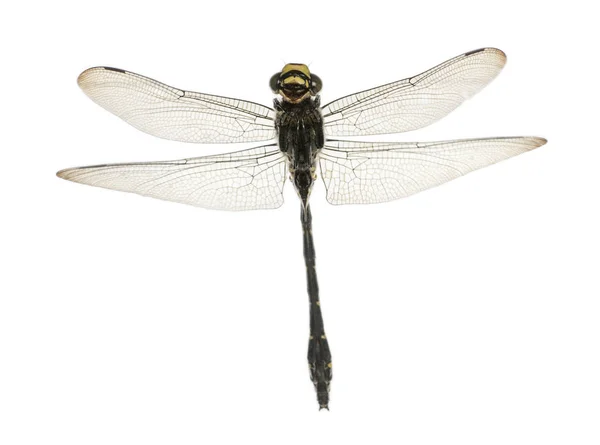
[414, 102]
[175, 114]
[244, 180]
[365, 172]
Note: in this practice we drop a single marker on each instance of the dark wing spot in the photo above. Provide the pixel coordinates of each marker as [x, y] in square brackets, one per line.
[118, 70]
[475, 51]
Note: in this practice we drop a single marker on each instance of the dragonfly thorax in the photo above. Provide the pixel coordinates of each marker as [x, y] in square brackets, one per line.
[300, 136]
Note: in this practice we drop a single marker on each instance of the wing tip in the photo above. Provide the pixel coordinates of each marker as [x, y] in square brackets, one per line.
[531, 142]
[84, 76]
[64, 173]
[488, 49]
[501, 55]
[87, 74]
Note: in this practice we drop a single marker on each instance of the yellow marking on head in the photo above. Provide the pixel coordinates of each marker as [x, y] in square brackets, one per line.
[294, 80]
[296, 67]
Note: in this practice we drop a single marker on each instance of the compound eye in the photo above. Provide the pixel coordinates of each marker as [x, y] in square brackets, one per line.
[316, 84]
[274, 82]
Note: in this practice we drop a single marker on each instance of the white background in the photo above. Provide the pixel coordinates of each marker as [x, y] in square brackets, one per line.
[466, 314]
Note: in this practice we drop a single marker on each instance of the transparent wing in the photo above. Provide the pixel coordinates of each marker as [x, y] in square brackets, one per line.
[414, 102]
[365, 172]
[244, 180]
[179, 115]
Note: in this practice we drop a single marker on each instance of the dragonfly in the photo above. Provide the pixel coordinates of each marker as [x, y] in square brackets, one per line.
[298, 135]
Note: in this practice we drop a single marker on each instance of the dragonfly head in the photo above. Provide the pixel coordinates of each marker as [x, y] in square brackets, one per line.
[295, 83]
